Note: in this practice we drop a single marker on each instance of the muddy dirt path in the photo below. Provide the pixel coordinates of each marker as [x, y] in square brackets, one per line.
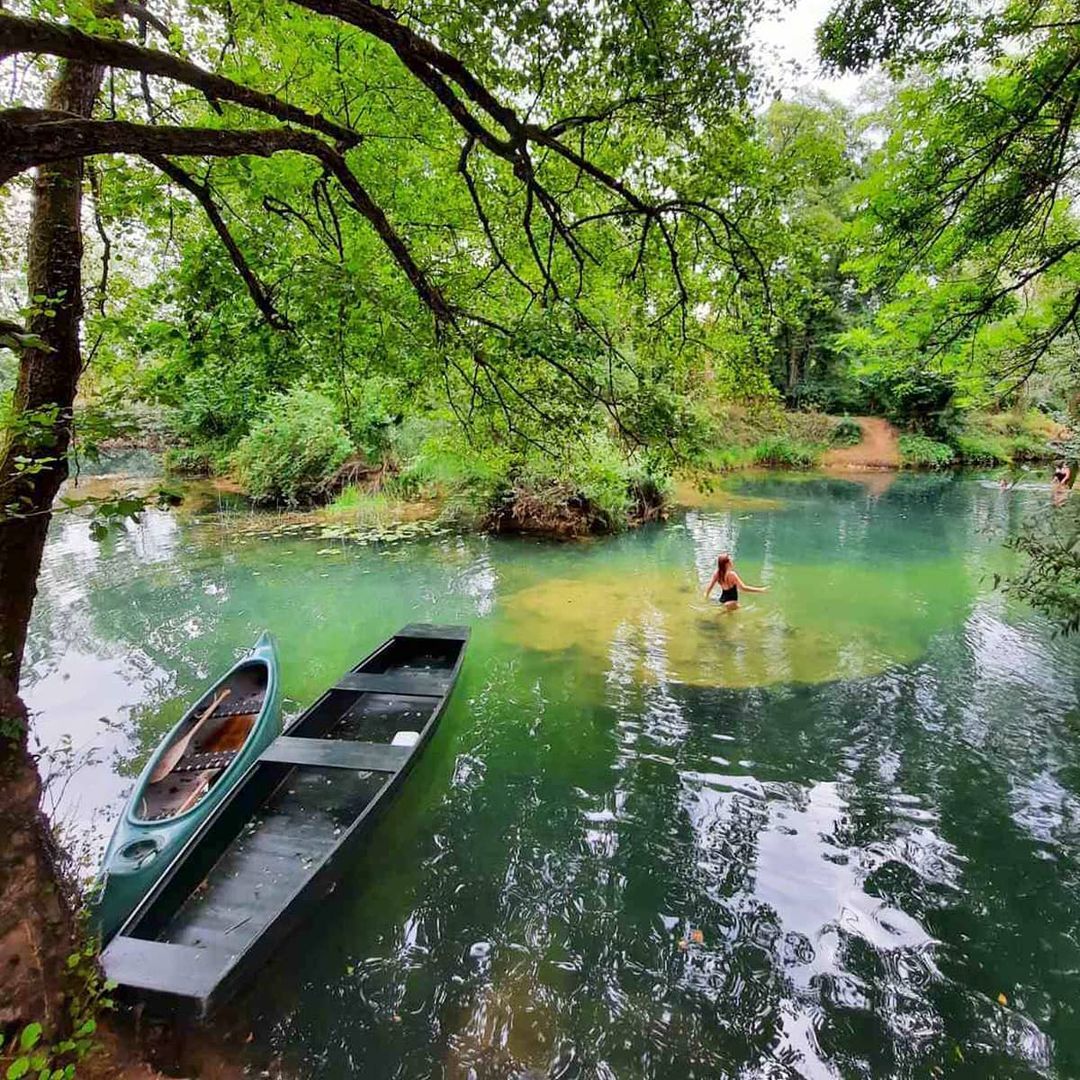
[879, 448]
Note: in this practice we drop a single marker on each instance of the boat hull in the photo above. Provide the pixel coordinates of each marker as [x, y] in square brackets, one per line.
[141, 850]
[288, 831]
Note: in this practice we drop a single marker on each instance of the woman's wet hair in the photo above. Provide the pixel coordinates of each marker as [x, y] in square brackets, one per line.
[723, 565]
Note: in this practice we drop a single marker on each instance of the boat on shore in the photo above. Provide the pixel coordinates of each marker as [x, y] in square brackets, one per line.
[284, 835]
[189, 774]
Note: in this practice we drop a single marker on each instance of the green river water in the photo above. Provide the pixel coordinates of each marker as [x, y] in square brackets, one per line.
[834, 834]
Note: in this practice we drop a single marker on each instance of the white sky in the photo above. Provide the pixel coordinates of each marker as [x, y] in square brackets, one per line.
[791, 36]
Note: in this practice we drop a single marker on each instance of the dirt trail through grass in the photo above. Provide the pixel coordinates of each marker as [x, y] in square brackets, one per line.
[879, 448]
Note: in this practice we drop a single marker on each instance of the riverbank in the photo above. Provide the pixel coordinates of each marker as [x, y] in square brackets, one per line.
[440, 489]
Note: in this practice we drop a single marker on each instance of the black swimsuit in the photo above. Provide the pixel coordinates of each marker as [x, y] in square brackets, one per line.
[729, 596]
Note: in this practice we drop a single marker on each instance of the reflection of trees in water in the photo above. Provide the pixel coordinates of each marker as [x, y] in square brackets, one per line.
[143, 604]
[855, 874]
[823, 839]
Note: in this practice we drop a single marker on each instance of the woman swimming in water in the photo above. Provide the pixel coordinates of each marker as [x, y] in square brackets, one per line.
[730, 583]
[1059, 487]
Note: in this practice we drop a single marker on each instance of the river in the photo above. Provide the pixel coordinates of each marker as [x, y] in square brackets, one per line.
[836, 833]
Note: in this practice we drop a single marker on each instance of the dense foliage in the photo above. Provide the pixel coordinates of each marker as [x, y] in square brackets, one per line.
[292, 449]
[611, 238]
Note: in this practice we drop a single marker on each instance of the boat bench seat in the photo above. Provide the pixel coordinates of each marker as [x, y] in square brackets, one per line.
[244, 706]
[337, 754]
[433, 630]
[196, 762]
[398, 683]
[183, 970]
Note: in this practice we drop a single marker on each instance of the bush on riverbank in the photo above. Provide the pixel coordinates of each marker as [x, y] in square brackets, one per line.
[785, 453]
[920, 452]
[847, 432]
[590, 486]
[740, 437]
[990, 439]
[293, 450]
[602, 492]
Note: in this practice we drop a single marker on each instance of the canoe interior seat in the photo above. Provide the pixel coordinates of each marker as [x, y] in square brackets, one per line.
[405, 738]
[178, 792]
[240, 706]
[213, 760]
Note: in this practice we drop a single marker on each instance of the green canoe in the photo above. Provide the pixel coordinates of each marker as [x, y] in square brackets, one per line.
[189, 774]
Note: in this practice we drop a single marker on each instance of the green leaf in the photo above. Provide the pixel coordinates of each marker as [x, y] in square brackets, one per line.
[19, 1067]
[31, 1036]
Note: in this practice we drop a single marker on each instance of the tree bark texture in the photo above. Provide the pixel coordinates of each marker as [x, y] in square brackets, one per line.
[36, 923]
[47, 376]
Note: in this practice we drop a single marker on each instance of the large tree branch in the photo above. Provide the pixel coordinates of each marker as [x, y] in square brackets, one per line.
[442, 72]
[427, 61]
[19, 35]
[30, 137]
[205, 197]
[468, 102]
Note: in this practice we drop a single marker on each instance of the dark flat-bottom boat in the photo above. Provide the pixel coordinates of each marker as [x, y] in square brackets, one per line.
[286, 832]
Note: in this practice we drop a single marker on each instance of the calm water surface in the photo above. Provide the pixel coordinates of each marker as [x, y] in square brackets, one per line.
[835, 834]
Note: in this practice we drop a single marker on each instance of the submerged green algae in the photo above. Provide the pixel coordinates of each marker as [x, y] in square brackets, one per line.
[817, 622]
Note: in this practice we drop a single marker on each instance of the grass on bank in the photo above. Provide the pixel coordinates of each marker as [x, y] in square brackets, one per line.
[740, 438]
[986, 440]
[920, 452]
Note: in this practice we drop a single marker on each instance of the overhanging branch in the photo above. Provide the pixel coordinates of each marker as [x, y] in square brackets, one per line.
[205, 197]
[18, 35]
[30, 137]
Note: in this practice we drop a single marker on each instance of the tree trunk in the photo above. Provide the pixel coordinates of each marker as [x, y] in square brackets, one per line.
[47, 377]
[793, 366]
[36, 927]
[36, 924]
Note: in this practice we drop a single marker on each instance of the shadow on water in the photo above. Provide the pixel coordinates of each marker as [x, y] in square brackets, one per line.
[819, 837]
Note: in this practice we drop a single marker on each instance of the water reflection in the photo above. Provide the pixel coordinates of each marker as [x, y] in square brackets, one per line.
[817, 838]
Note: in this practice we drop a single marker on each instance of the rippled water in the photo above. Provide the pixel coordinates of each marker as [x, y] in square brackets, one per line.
[834, 834]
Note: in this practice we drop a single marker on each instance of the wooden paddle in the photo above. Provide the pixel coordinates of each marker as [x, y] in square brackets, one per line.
[200, 788]
[176, 751]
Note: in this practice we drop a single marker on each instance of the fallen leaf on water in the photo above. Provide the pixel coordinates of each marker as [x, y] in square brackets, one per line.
[682, 943]
[697, 937]
[1002, 999]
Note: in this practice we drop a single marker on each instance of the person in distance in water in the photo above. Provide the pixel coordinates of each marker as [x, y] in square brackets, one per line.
[730, 583]
[1059, 488]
